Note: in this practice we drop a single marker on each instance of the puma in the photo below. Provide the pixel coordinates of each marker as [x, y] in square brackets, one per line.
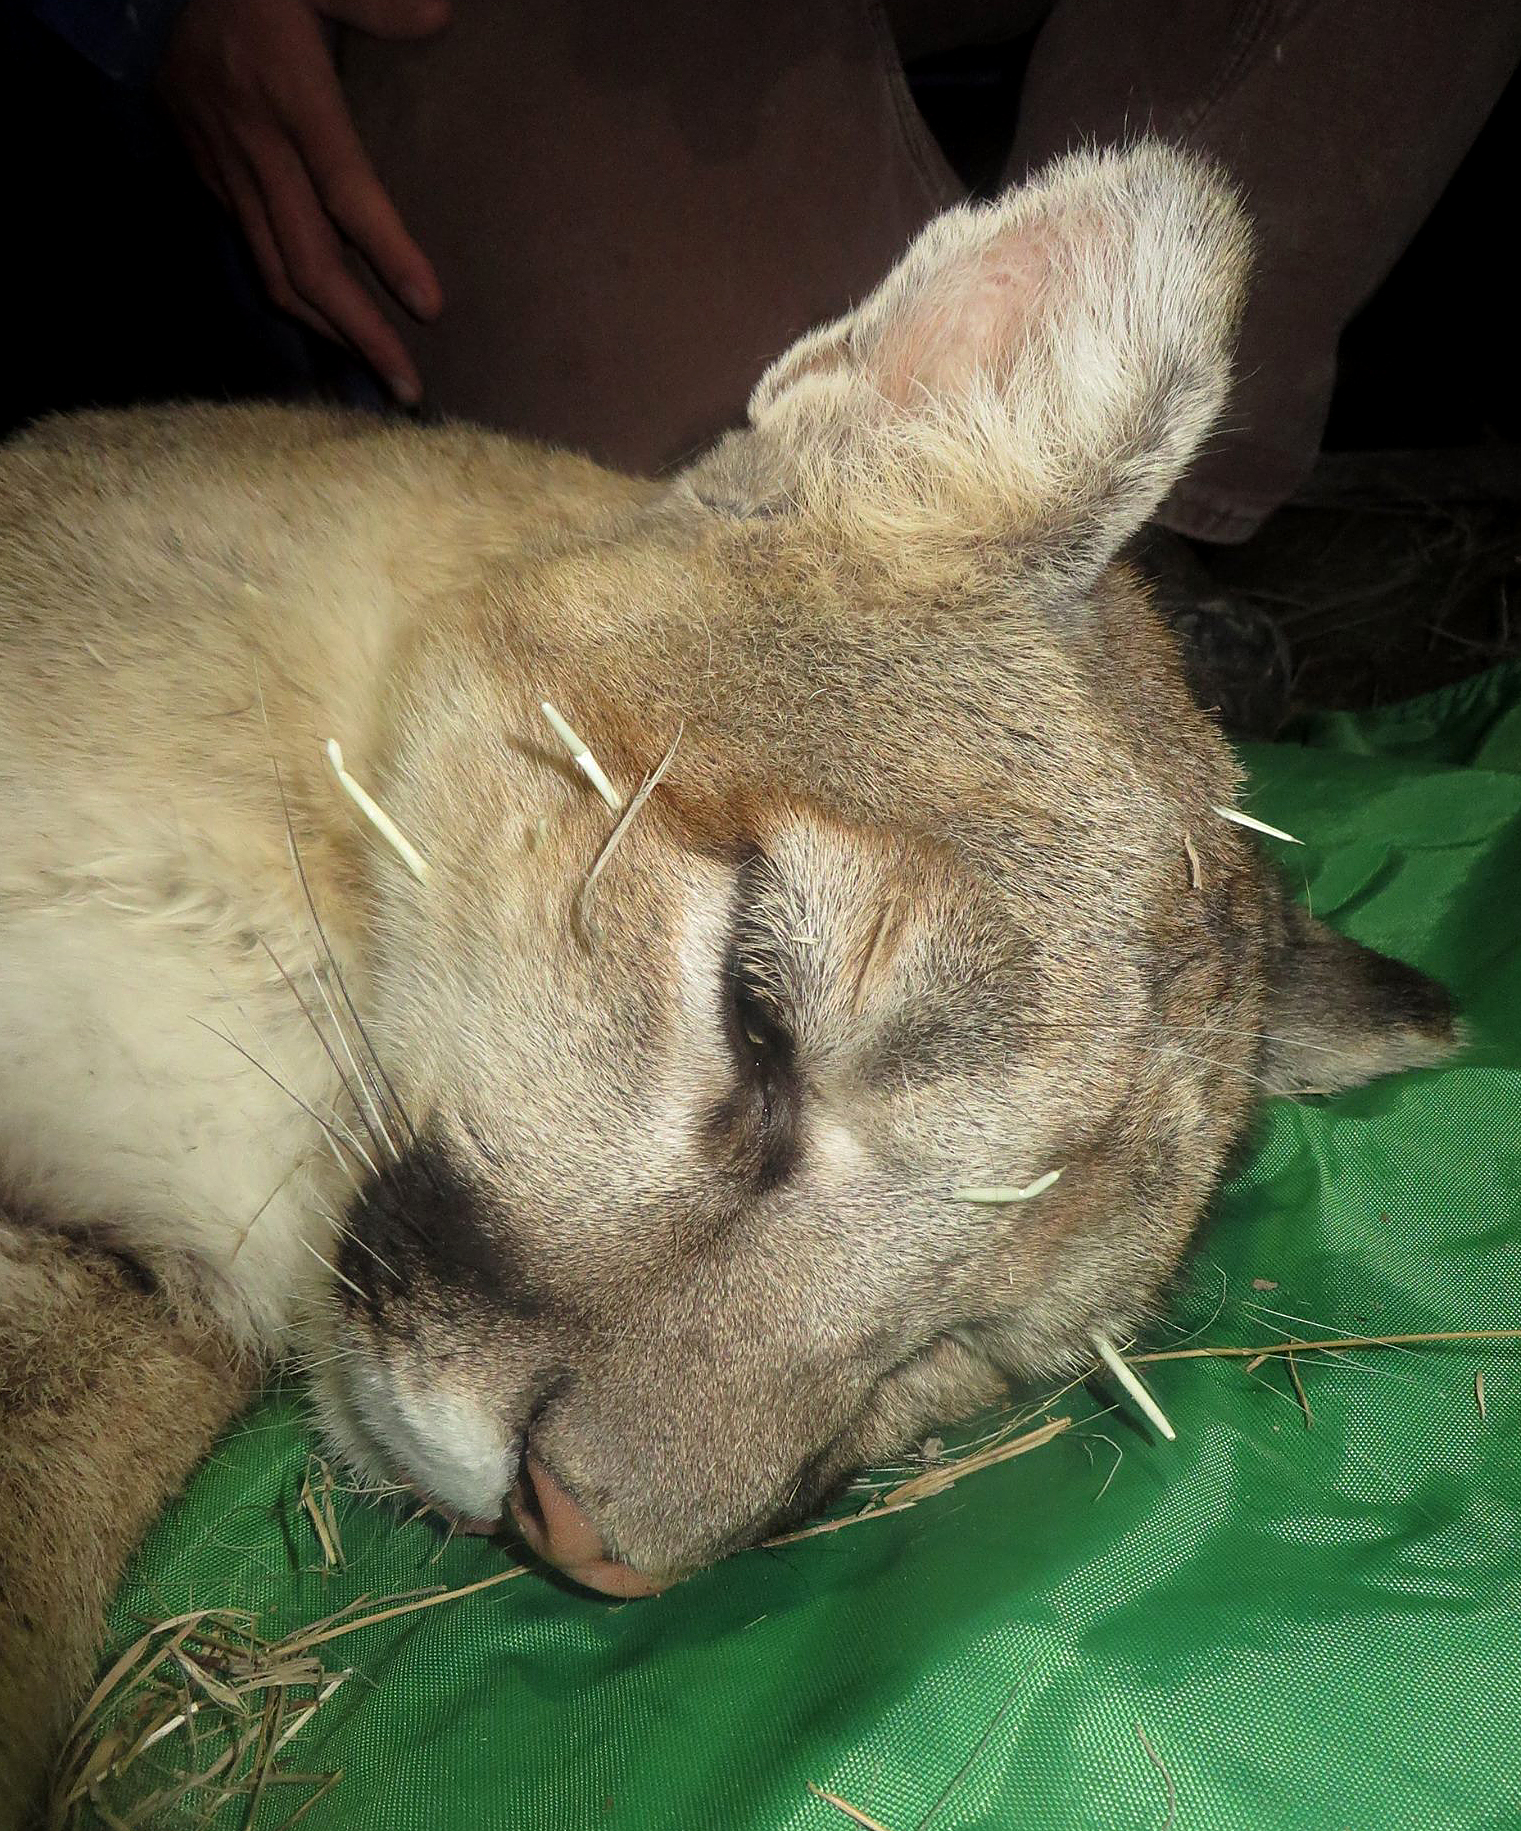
[610, 1157]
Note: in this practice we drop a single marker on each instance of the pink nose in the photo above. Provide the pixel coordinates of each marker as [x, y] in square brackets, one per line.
[561, 1533]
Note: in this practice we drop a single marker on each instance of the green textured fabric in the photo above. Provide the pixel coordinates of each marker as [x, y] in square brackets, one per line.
[1265, 1626]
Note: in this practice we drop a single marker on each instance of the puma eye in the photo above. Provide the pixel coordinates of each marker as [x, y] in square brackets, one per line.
[761, 1041]
[755, 1125]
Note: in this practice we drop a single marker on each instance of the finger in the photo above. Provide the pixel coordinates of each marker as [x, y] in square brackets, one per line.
[312, 257]
[389, 18]
[247, 204]
[312, 107]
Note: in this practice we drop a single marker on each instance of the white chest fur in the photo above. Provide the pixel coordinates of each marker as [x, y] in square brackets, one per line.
[159, 1079]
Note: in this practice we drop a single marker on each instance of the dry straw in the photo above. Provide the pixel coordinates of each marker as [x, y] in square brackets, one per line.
[1167, 1780]
[220, 1704]
[202, 1708]
[620, 828]
[853, 1813]
[317, 1491]
[934, 1481]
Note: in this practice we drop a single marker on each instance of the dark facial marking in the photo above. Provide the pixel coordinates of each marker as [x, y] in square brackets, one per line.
[420, 1225]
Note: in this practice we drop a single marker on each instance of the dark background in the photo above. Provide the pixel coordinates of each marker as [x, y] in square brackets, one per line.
[1395, 569]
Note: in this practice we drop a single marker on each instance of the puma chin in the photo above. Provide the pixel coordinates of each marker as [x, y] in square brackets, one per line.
[614, 1174]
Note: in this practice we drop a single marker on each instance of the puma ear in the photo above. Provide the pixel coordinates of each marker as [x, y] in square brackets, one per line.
[1040, 369]
[1341, 1014]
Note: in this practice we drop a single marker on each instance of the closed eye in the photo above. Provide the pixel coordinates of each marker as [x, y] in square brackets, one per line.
[756, 1126]
[762, 1044]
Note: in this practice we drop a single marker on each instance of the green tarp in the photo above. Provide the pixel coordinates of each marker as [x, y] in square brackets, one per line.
[1271, 1624]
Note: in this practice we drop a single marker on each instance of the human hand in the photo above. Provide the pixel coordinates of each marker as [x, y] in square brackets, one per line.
[252, 87]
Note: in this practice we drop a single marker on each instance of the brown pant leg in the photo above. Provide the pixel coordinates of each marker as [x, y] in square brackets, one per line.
[1342, 120]
[635, 204]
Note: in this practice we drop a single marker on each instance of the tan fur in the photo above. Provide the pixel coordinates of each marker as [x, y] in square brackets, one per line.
[672, 1193]
[82, 1346]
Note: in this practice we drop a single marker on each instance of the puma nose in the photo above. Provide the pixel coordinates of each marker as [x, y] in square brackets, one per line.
[561, 1533]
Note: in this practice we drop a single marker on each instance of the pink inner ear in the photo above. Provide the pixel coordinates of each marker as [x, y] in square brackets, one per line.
[969, 316]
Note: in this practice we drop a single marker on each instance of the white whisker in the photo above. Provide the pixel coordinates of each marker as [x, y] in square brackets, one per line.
[253, 1061]
[381, 1082]
[329, 1266]
[378, 1083]
[274, 1056]
[378, 1123]
[363, 1244]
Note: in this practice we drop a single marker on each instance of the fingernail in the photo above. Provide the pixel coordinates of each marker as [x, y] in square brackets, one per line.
[420, 302]
[405, 389]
